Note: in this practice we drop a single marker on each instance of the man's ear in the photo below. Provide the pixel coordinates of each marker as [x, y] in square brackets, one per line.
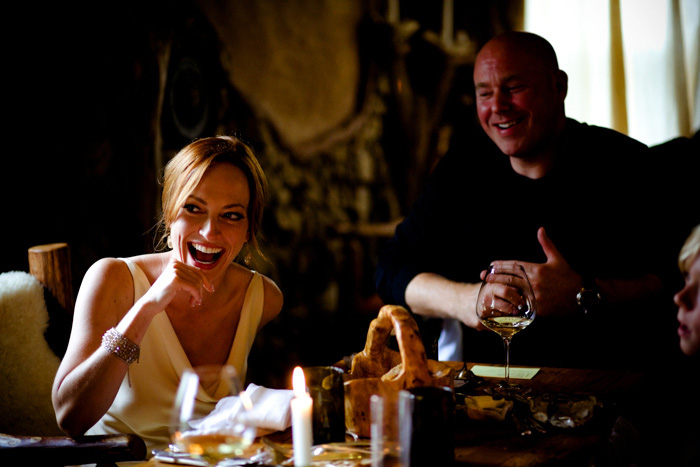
[562, 83]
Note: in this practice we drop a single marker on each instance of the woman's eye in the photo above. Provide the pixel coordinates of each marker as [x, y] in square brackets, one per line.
[190, 208]
[236, 216]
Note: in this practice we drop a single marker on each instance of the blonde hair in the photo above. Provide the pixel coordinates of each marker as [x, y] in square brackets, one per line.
[690, 250]
[184, 171]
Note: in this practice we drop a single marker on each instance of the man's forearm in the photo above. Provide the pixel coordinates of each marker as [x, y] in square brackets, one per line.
[615, 291]
[433, 296]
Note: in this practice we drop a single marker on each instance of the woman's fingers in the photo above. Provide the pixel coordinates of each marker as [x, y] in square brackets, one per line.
[179, 277]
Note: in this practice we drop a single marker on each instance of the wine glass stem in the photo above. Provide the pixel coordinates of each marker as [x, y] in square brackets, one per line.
[506, 345]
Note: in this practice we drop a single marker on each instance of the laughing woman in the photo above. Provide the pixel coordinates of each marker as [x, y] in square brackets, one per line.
[141, 321]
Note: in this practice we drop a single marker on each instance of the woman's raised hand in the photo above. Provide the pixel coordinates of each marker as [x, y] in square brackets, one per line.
[178, 277]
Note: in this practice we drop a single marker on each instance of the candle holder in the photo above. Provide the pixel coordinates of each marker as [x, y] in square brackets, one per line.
[385, 427]
[325, 384]
[426, 419]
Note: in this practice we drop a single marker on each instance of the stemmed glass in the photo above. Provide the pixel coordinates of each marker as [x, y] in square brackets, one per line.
[506, 305]
[201, 432]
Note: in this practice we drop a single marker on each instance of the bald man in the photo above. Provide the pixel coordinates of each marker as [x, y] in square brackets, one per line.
[570, 202]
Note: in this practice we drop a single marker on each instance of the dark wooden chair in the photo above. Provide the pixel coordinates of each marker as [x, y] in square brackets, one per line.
[29, 434]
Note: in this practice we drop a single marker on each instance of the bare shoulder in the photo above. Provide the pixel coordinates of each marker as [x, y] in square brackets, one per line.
[107, 271]
[108, 286]
[117, 271]
[274, 299]
[271, 289]
[107, 281]
[105, 295]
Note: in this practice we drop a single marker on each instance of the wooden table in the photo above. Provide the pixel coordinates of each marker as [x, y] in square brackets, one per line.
[484, 443]
[478, 443]
[576, 380]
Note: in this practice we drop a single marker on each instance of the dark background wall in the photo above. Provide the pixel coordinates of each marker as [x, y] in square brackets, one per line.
[99, 95]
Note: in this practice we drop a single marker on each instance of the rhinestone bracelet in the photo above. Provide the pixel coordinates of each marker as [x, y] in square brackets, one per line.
[118, 345]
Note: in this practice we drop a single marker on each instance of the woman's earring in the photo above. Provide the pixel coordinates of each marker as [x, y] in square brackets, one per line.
[169, 241]
[248, 258]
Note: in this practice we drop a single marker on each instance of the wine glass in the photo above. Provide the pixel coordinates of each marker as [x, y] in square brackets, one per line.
[506, 305]
[213, 435]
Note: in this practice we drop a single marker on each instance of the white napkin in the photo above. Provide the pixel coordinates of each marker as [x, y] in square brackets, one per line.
[270, 412]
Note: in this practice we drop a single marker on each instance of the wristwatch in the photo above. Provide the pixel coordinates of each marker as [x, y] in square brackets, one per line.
[588, 298]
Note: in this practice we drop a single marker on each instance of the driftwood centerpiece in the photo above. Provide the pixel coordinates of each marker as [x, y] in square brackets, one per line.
[383, 371]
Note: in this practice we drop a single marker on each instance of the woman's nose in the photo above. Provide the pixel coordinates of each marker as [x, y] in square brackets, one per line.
[210, 227]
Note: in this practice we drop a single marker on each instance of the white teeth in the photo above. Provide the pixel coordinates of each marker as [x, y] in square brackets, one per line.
[504, 126]
[207, 250]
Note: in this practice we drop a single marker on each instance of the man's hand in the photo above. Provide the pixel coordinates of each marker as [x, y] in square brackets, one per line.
[554, 283]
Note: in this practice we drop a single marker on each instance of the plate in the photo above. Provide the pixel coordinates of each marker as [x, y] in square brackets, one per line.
[562, 410]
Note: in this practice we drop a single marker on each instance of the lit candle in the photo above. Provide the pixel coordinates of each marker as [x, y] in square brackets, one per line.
[301, 420]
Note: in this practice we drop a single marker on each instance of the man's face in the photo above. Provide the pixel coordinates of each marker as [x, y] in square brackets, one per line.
[520, 101]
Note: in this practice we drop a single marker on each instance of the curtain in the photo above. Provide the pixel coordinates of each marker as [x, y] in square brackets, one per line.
[633, 65]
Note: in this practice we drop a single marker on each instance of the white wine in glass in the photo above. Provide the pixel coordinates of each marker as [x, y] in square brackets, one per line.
[226, 435]
[506, 305]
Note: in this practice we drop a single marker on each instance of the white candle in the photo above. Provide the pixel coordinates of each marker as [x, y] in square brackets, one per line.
[301, 420]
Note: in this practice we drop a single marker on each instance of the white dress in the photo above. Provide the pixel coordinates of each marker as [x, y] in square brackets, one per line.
[145, 399]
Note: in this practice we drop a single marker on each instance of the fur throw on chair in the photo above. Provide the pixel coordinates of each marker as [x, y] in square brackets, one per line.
[27, 363]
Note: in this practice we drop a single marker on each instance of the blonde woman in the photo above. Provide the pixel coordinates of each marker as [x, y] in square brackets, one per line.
[141, 321]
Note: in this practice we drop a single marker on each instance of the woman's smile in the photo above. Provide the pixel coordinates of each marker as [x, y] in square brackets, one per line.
[204, 255]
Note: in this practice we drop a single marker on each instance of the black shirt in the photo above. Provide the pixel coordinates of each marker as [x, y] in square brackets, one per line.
[596, 204]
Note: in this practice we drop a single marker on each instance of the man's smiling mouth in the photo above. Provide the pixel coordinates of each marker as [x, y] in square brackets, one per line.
[203, 254]
[506, 125]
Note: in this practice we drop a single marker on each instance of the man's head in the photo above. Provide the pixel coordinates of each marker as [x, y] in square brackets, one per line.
[520, 94]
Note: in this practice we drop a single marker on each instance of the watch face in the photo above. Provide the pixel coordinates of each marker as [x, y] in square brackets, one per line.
[588, 299]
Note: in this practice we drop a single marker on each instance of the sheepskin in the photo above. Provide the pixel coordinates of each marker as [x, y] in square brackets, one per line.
[27, 364]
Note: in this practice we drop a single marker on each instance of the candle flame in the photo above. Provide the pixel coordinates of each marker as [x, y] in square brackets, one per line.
[298, 382]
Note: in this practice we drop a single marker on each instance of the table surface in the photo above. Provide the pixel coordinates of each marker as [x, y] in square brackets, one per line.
[576, 380]
[478, 444]
[494, 443]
